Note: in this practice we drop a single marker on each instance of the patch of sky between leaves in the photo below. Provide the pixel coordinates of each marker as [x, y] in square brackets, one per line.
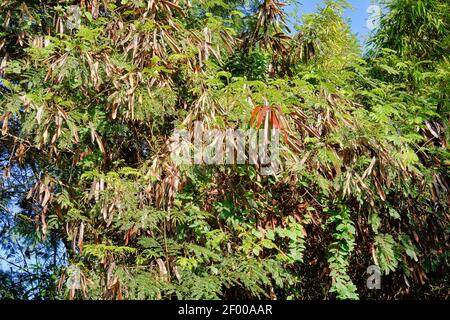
[361, 16]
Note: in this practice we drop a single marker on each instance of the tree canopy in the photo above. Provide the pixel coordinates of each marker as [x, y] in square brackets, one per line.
[93, 204]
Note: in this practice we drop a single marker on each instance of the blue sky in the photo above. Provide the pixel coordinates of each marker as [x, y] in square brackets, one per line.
[358, 16]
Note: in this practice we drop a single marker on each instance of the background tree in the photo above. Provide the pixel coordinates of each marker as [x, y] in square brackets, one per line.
[87, 111]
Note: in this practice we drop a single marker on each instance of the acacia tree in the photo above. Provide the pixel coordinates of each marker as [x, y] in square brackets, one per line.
[88, 107]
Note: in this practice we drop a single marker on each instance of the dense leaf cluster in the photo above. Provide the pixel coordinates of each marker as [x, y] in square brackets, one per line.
[93, 206]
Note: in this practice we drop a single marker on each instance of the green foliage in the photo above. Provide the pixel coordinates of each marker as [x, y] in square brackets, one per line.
[414, 28]
[86, 118]
[340, 250]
